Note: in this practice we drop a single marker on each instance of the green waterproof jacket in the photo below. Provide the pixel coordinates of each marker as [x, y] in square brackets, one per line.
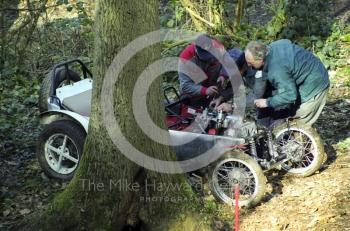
[294, 72]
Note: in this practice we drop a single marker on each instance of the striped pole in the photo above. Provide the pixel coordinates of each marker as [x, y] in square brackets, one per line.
[236, 191]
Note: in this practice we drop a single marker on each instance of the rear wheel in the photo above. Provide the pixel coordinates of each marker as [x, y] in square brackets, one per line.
[60, 148]
[61, 79]
[236, 168]
[303, 145]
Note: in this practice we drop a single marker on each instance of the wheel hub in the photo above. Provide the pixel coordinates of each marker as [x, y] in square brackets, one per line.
[293, 150]
[59, 157]
[238, 176]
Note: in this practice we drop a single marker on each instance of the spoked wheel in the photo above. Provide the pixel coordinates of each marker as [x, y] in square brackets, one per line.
[60, 147]
[237, 168]
[303, 146]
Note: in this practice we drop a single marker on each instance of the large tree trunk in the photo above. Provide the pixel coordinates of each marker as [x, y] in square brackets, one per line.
[94, 200]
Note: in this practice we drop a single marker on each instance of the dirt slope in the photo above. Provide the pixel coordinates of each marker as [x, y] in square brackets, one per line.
[318, 202]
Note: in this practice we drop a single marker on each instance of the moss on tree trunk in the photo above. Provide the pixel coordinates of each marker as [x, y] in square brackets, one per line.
[93, 200]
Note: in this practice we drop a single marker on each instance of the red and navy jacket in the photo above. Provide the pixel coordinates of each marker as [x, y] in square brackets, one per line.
[212, 69]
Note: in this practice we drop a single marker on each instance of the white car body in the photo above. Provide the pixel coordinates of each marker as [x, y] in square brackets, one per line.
[76, 99]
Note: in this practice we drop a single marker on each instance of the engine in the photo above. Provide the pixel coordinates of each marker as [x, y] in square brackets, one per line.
[221, 123]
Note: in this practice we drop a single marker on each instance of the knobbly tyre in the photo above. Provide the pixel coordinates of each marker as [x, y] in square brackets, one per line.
[243, 151]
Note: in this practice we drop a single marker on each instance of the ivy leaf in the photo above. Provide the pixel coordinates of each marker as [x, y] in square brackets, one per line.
[313, 38]
[345, 38]
[170, 23]
[61, 2]
[319, 44]
[69, 8]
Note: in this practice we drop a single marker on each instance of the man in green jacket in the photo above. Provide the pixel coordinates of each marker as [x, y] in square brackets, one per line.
[299, 79]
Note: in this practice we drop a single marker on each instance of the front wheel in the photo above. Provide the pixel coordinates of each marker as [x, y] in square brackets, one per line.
[236, 168]
[60, 147]
[302, 145]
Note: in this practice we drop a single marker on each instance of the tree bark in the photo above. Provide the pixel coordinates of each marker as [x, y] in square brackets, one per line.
[239, 12]
[7, 18]
[91, 201]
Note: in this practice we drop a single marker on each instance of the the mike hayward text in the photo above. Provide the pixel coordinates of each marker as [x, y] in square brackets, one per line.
[125, 185]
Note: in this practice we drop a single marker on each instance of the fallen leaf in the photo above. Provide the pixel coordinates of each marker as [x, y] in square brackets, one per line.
[24, 211]
[11, 163]
[6, 212]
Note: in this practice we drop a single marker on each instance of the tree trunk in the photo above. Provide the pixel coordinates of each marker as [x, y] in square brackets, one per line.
[100, 196]
[239, 12]
[2, 36]
[7, 18]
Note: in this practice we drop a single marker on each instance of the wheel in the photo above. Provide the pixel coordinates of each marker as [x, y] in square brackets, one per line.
[60, 80]
[234, 168]
[303, 145]
[60, 147]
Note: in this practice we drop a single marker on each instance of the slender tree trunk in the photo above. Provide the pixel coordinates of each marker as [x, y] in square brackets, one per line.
[28, 28]
[91, 202]
[239, 12]
[2, 36]
[7, 18]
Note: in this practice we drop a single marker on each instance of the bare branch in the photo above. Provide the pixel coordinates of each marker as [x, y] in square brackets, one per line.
[28, 9]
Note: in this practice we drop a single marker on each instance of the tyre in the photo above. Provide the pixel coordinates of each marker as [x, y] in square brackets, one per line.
[234, 168]
[59, 148]
[60, 80]
[303, 144]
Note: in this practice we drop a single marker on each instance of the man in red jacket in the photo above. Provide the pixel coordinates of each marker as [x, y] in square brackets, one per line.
[205, 74]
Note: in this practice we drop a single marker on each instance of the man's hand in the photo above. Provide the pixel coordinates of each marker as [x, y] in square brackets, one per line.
[216, 102]
[261, 103]
[226, 107]
[222, 82]
[212, 90]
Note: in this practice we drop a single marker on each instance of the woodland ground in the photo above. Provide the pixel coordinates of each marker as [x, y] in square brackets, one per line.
[318, 202]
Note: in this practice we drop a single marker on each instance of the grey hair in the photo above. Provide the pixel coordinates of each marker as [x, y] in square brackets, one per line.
[258, 49]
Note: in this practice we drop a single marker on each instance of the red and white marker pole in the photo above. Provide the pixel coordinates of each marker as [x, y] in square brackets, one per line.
[236, 193]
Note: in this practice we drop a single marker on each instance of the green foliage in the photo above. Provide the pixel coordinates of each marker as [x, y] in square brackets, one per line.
[306, 18]
[27, 55]
[17, 95]
[63, 39]
[333, 51]
[173, 15]
[277, 23]
[307, 23]
[49, 40]
[210, 206]
[345, 144]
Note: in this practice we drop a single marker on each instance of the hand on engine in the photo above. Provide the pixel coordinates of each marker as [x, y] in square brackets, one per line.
[225, 107]
[261, 103]
[212, 90]
[216, 102]
[222, 82]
